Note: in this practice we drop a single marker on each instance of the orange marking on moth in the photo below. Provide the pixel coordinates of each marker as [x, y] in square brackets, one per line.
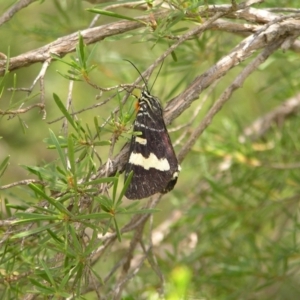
[137, 106]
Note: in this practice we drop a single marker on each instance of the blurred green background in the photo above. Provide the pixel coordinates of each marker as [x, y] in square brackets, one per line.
[241, 207]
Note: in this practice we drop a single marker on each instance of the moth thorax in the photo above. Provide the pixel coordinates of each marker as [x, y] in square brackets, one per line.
[150, 101]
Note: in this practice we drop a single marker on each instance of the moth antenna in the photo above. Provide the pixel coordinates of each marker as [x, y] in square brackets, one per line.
[139, 73]
[157, 74]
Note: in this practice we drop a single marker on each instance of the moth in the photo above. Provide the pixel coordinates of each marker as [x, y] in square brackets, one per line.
[151, 156]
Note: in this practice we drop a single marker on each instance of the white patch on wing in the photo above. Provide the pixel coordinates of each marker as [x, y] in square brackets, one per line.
[143, 113]
[137, 124]
[140, 140]
[175, 175]
[151, 162]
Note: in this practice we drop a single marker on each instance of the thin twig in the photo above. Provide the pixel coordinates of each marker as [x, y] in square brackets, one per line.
[14, 9]
[40, 77]
[22, 110]
[84, 109]
[21, 182]
[68, 106]
[121, 86]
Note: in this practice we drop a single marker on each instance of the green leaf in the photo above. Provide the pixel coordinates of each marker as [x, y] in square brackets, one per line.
[105, 202]
[125, 186]
[44, 174]
[62, 172]
[17, 207]
[77, 272]
[59, 149]
[64, 111]
[22, 124]
[4, 165]
[51, 200]
[97, 127]
[33, 231]
[70, 64]
[48, 273]
[41, 287]
[75, 243]
[112, 14]
[71, 156]
[174, 56]
[81, 51]
[117, 230]
[30, 217]
[99, 181]
[93, 244]
[73, 78]
[115, 187]
[102, 143]
[55, 237]
[64, 281]
[98, 216]
[6, 205]
[96, 274]
[89, 134]
[62, 141]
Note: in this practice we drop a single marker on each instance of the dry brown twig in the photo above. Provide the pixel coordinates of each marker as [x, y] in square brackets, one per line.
[22, 110]
[14, 9]
[19, 183]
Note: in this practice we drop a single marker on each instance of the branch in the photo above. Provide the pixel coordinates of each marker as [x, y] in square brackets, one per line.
[22, 110]
[21, 182]
[67, 44]
[14, 9]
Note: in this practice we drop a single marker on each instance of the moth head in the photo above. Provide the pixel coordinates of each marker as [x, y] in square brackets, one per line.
[150, 101]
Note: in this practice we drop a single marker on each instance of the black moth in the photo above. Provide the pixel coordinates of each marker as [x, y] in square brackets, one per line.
[151, 157]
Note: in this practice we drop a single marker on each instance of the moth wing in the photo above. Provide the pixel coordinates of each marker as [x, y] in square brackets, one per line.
[152, 160]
